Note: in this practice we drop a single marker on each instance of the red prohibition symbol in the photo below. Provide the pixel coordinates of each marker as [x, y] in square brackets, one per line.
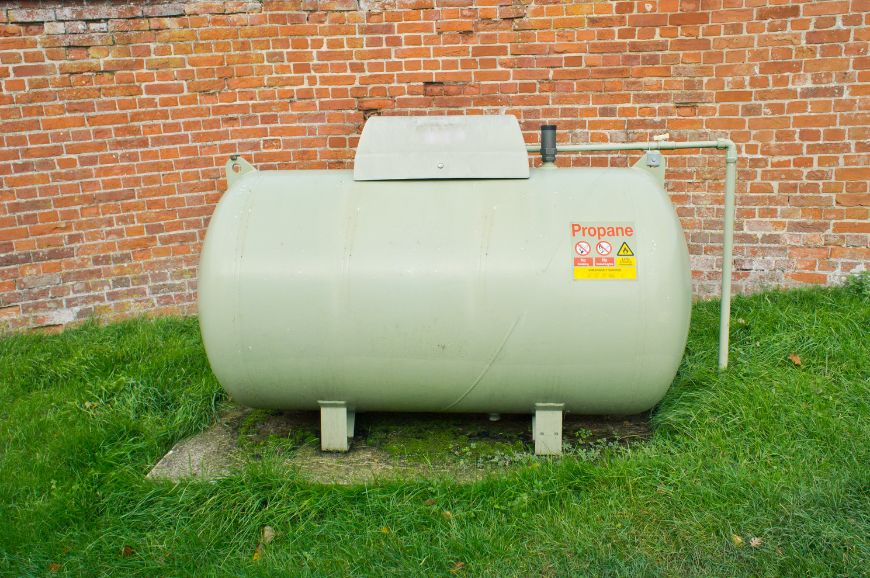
[582, 248]
[603, 248]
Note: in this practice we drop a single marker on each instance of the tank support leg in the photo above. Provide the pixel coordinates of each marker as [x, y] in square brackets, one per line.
[547, 429]
[351, 423]
[334, 422]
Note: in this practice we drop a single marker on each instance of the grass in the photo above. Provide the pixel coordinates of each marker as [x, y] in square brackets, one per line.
[768, 449]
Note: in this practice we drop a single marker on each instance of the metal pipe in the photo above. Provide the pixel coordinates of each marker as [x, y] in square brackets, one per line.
[728, 218]
[638, 146]
[727, 249]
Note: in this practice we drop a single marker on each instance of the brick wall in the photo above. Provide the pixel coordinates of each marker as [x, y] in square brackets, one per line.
[117, 117]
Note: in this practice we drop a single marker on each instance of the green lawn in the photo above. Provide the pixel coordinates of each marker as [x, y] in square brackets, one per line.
[770, 450]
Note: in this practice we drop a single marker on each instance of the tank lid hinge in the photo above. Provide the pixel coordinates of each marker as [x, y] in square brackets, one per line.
[236, 168]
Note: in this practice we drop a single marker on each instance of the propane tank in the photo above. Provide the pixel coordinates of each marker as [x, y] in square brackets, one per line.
[443, 274]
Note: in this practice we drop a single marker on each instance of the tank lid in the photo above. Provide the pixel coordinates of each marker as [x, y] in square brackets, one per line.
[441, 147]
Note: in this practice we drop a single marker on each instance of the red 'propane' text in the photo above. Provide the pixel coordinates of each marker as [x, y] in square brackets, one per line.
[599, 232]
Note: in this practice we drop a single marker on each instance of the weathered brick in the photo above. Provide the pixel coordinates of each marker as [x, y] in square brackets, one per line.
[32, 15]
[163, 10]
[102, 11]
[35, 281]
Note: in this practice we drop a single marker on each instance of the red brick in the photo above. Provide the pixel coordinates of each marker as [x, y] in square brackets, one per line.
[813, 278]
[853, 227]
[34, 70]
[828, 36]
[778, 12]
[455, 25]
[734, 96]
[819, 7]
[853, 174]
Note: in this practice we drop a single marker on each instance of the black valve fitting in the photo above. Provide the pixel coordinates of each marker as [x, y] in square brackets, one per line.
[548, 143]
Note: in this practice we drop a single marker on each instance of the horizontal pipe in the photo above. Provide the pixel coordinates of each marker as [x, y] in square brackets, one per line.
[638, 146]
[728, 218]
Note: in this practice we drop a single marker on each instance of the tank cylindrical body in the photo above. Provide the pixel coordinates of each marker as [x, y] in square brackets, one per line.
[455, 295]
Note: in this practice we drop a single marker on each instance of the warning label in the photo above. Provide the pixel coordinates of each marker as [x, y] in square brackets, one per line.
[604, 237]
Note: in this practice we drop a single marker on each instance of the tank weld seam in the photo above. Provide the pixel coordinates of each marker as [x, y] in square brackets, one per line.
[495, 356]
[244, 224]
[556, 251]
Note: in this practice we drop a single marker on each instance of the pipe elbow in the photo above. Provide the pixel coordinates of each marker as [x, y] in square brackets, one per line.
[730, 149]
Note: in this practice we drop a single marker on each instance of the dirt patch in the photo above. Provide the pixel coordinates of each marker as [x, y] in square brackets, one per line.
[386, 446]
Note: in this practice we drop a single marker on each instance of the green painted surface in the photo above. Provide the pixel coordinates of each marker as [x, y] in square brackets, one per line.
[452, 295]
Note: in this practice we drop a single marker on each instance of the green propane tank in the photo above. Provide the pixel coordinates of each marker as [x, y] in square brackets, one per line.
[444, 275]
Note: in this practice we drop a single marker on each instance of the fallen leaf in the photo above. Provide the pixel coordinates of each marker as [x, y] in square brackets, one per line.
[795, 358]
[385, 530]
[457, 567]
[737, 540]
[256, 556]
[430, 502]
[267, 534]
[127, 551]
[756, 542]
[447, 515]
[54, 567]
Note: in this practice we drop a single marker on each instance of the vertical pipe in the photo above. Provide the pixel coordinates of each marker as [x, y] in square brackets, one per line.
[727, 250]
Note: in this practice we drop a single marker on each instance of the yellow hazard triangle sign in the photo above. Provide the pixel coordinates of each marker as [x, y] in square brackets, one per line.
[625, 251]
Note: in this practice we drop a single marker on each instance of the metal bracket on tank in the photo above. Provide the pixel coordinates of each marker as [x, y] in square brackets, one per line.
[654, 163]
[236, 167]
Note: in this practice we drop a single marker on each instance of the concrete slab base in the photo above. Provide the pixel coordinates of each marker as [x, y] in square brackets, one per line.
[241, 436]
[208, 455]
